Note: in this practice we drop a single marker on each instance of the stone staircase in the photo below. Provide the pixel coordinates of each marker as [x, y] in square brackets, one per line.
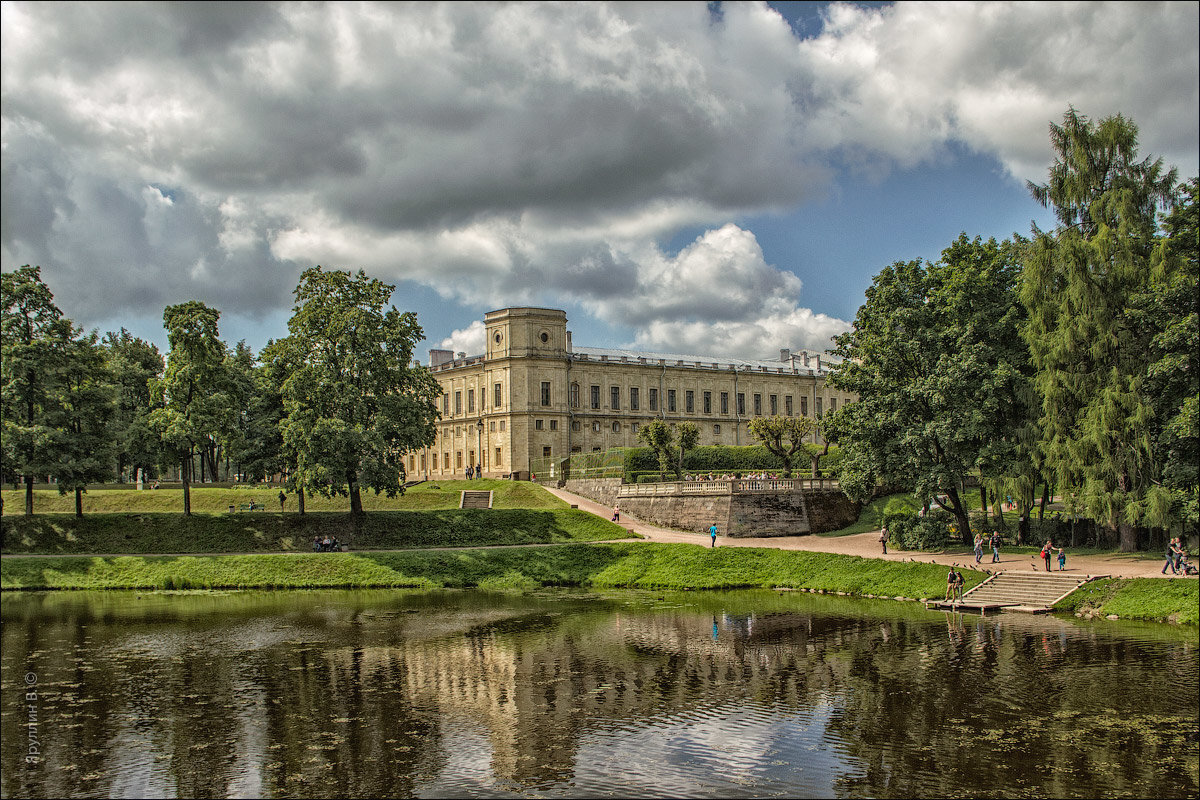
[1032, 592]
[472, 499]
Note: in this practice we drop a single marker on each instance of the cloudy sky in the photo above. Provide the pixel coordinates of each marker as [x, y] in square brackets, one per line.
[718, 179]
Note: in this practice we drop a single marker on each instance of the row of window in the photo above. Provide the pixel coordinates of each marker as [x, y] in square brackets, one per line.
[458, 461]
[652, 398]
[615, 427]
[689, 401]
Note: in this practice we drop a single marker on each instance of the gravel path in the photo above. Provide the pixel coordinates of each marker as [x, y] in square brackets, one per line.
[1117, 565]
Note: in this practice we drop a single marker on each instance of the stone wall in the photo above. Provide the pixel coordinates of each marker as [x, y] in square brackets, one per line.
[602, 490]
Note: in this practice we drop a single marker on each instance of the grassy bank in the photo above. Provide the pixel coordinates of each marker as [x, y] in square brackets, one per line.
[1137, 598]
[252, 532]
[212, 500]
[639, 565]
[615, 565]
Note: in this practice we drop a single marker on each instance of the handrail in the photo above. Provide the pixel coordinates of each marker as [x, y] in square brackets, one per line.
[732, 486]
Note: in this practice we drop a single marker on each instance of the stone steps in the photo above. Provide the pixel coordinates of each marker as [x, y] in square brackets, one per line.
[1024, 589]
[475, 499]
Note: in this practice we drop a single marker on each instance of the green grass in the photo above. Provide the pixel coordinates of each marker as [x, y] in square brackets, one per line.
[252, 532]
[618, 565]
[873, 513]
[1138, 598]
[207, 499]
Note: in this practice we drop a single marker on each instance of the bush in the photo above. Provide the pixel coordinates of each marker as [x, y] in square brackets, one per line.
[934, 531]
[721, 459]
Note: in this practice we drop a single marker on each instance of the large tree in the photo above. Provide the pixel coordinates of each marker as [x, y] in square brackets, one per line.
[85, 442]
[135, 366]
[197, 406]
[35, 345]
[1080, 284]
[936, 362]
[783, 436]
[355, 401]
[659, 437]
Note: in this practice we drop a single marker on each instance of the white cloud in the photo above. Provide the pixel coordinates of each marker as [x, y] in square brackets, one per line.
[470, 340]
[519, 153]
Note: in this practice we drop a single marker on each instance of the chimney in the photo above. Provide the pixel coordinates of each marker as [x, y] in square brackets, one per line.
[785, 354]
[461, 355]
[569, 347]
[818, 358]
[440, 357]
[804, 355]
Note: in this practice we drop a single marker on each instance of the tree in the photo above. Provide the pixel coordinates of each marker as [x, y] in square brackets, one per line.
[355, 402]
[783, 436]
[1079, 285]
[195, 386]
[936, 361]
[260, 451]
[35, 343]
[84, 442]
[135, 366]
[659, 437]
[689, 434]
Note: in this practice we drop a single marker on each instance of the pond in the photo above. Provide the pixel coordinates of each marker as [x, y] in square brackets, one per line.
[571, 693]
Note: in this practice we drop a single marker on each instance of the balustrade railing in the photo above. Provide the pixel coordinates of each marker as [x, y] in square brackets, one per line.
[733, 486]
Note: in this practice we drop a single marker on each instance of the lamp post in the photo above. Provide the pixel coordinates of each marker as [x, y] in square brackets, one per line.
[479, 452]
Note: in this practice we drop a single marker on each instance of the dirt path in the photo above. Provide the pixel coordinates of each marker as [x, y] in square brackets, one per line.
[1117, 565]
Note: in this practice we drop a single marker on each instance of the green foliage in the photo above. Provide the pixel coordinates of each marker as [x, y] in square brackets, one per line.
[660, 438]
[1080, 286]
[783, 436]
[718, 459]
[354, 401]
[934, 531]
[135, 367]
[938, 368]
[1137, 598]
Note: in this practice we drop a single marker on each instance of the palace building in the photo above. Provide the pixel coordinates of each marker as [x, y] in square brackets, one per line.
[533, 398]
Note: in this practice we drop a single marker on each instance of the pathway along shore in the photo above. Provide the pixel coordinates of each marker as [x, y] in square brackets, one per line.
[1116, 565]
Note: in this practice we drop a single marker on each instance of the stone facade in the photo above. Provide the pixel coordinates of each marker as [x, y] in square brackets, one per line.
[532, 398]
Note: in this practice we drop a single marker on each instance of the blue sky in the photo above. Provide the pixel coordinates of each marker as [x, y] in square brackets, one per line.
[686, 177]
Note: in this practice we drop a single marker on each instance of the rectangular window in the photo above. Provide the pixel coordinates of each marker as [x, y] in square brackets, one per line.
[758, 405]
[492, 426]
[537, 424]
[574, 395]
[819, 401]
[832, 404]
[634, 428]
[545, 452]
[708, 402]
[470, 401]
[654, 399]
[575, 425]
[689, 401]
[741, 401]
[724, 402]
[716, 430]
[458, 403]
[670, 399]
[497, 400]
[787, 404]
[804, 406]
[774, 405]
[614, 398]
[502, 426]
[545, 393]
[595, 427]
[595, 397]
[553, 424]
[445, 402]
[498, 461]
[458, 458]
[635, 402]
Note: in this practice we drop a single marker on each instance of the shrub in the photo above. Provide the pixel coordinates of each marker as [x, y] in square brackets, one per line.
[722, 459]
[934, 531]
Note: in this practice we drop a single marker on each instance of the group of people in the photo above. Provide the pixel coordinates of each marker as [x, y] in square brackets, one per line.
[1048, 551]
[729, 476]
[954, 585]
[1176, 557]
[326, 544]
[992, 541]
[477, 472]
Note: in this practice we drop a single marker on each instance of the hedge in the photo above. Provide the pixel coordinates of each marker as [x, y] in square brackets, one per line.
[721, 459]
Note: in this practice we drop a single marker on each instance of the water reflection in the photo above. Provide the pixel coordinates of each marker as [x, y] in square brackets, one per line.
[312, 694]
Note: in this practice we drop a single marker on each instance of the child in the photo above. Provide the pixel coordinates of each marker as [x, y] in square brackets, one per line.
[1062, 560]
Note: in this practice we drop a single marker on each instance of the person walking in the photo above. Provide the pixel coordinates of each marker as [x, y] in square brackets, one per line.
[883, 538]
[978, 547]
[995, 547]
[959, 583]
[712, 531]
[616, 517]
[1062, 560]
[951, 585]
[282, 500]
[1047, 549]
[1172, 558]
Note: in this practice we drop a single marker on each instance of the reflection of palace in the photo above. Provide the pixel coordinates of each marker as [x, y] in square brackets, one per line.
[533, 395]
[535, 699]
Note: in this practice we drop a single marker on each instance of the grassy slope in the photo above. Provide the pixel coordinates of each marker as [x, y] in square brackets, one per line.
[1138, 598]
[426, 516]
[641, 565]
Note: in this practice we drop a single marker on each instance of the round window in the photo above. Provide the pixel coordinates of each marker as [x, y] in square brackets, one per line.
[545, 337]
[498, 337]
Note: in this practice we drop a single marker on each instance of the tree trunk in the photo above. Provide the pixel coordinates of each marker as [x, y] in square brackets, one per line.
[1128, 537]
[79, 501]
[185, 469]
[1045, 501]
[816, 466]
[983, 498]
[300, 497]
[355, 498]
[29, 495]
